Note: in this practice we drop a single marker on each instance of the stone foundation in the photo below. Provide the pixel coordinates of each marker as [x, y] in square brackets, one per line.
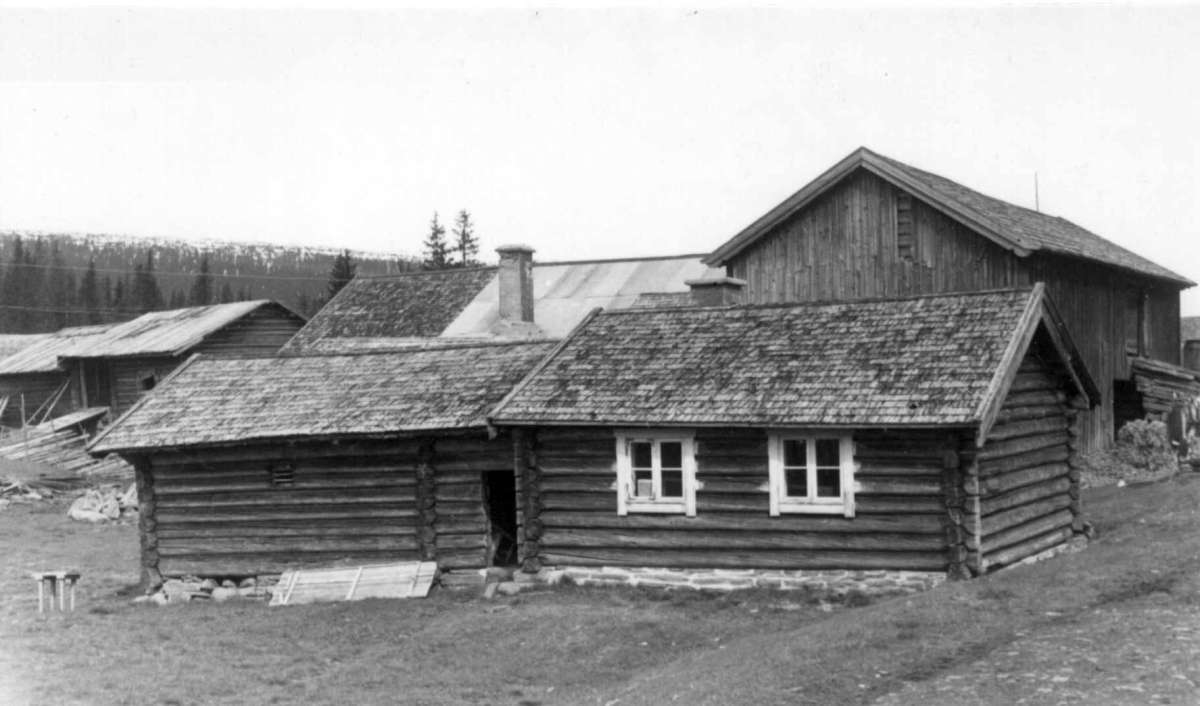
[833, 582]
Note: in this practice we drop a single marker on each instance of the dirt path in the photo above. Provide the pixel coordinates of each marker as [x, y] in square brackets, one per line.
[1144, 651]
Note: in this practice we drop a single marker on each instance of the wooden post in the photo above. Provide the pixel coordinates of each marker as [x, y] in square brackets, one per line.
[954, 519]
[529, 482]
[147, 522]
[1076, 465]
[426, 499]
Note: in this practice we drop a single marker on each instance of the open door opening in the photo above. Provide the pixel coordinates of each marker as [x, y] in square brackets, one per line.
[500, 499]
[1127, 404]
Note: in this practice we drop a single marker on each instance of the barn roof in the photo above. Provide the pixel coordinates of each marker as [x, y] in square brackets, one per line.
[172, 332]
[1016, 228]
[933, 360]
[1189, 328]
[229, 401]
[465, 303]
[42, 355]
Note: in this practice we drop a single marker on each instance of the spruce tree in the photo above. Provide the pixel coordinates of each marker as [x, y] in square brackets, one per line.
[226, 295]
[436, 249]
[89, 295]
[465, 241]
[147, 295]
[10, 291]
[59, 291]
[341, 273]
[202, 289]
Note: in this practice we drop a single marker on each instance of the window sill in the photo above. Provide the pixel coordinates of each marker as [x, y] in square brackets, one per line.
[811, 509]
[675, 508]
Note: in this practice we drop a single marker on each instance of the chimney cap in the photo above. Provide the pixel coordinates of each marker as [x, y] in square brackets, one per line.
[515, 248]
[715, 282]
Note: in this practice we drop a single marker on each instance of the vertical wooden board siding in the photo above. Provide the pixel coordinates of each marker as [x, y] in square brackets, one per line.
[226, 515]
[843, 246]
[261, 332]
[37, 388]
[899, 520]
[823, 252]
[461, 523]
[1023, 495]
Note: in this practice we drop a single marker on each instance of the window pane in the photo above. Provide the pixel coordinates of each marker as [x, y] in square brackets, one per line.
[796, 483]
[672, 454]
[829, 482]
[640, 452]
[672, 484]
[794, 453]
[827, 452]
[643, 484]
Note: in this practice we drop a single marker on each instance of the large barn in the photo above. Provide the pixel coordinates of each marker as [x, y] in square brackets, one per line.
[871, 226]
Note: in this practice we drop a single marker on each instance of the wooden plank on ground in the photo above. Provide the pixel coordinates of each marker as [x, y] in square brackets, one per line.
[410, 579]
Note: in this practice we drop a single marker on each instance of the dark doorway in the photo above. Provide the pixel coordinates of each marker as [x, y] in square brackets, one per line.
[1127, 404]
[500, 499]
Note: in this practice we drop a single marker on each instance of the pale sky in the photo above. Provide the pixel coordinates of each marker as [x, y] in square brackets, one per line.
[586, 134]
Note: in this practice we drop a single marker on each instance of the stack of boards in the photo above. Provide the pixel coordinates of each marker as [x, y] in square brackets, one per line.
[404, 580]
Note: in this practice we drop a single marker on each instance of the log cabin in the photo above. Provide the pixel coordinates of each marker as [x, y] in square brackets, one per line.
[935, 434]
[248, 466]
[871, 226]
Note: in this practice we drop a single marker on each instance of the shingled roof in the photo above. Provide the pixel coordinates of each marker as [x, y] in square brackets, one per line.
[1013, 227]
[395, 306]
[934, 360]
[228, 401]
[464, 304]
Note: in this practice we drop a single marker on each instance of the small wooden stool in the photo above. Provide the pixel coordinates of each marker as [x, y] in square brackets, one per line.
[58, 582]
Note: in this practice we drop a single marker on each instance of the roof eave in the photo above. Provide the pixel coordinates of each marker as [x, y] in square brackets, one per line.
[860, 158]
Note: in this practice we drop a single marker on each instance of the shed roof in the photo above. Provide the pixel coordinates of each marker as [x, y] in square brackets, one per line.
[42, 355]
[1016, 228]
[172, 332]
[1189, 328]
[465, 303]
[210, 402]
[13, 342]
[933, 360]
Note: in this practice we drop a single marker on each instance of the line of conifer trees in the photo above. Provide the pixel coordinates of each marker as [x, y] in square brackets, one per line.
[39, 292]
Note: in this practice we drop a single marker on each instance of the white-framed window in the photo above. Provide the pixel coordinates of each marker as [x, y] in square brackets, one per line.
[811, 473]
[656, 472]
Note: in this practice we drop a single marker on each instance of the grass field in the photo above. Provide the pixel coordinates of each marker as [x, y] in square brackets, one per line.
[605, 646]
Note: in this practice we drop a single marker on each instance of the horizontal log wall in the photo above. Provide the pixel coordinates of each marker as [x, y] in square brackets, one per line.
[571, 517]
[126, 376]
[462, 526]
[1024, 485]
[261, 332]
[216, 512]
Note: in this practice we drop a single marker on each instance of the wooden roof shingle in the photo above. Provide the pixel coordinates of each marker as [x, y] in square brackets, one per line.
[228, 401]
[1016, 228]
[396, 306]
[933, 360]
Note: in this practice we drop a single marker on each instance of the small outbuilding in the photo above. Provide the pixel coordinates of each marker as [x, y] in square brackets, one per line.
[252, 466]
[34, 385]
[930, 434]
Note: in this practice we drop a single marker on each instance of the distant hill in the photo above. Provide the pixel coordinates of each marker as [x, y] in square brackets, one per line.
[44, 277]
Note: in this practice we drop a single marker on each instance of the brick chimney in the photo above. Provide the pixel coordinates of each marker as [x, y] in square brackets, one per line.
[716, 291]
[516, 283]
